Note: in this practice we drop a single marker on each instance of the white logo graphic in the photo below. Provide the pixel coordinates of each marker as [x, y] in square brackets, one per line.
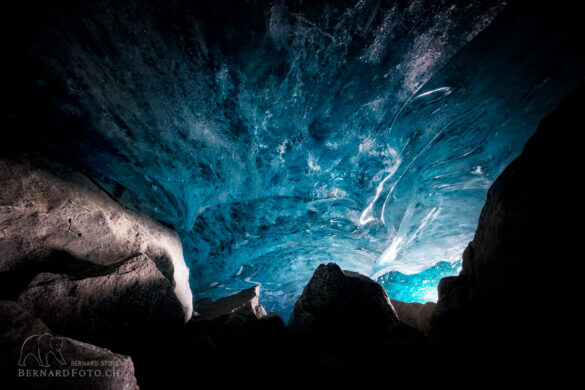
[39, 347]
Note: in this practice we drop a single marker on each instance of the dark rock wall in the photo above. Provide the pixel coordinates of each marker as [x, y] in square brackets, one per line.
[27, 345]
[113, 307]
[519, 283]
[55, 219]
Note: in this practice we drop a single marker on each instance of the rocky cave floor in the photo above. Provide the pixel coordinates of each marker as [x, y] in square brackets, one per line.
[64, 305]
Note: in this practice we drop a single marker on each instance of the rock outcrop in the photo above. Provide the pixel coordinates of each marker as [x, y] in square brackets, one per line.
[232, 333]
[111, 306]
[342, 300]
[50, 213]
[245, 302]
[518, 273]
[345, 323]
[417, 315]
[233, 322]
[32, 357]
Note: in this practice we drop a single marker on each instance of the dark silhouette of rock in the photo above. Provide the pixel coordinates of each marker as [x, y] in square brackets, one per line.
[32, 357]
[417, 315]
[234, 322]
[342, 300]
[245, 302]
[51, 214]
[232, 332]
[16, 325]
[517, 273]
[344, 324]
[112, 307]
[272, 320]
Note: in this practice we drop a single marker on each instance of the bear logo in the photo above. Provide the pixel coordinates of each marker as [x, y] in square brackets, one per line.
[40, 346]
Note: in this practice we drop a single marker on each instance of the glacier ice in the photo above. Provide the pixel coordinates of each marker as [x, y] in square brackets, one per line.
[277, 136]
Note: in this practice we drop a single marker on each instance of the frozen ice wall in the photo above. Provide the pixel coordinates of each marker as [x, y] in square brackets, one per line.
[275, 136]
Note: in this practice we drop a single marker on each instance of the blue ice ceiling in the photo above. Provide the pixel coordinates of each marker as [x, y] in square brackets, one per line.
[275, 136]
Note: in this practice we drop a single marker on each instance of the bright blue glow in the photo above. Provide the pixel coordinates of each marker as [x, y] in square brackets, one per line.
[420, 287]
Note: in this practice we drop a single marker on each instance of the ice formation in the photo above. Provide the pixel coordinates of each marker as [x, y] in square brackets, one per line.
[277, 136]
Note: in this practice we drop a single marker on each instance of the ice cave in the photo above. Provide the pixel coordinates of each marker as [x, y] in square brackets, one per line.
[276, 136]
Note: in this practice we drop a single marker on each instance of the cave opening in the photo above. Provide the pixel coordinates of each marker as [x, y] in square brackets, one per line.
[363, 133]
[197, 190]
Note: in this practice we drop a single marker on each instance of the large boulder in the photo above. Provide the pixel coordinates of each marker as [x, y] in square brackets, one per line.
[233, 320]
[518, 280]
[32, 357]
[110, 306]
[344, 324]
[50, 212]
[339, 301]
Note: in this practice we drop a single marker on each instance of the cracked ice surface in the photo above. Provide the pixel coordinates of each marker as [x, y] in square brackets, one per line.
[277, 136]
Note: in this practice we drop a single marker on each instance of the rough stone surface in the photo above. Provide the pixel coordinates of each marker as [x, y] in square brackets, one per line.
[21, 332]
[342, 300]
[114, 304]
[235, 321]
[345, 324]
[16, 324]
[232, 332]
[47, 208]
[417, 315]
[517, 271]
[120, 367]
[245, 302]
